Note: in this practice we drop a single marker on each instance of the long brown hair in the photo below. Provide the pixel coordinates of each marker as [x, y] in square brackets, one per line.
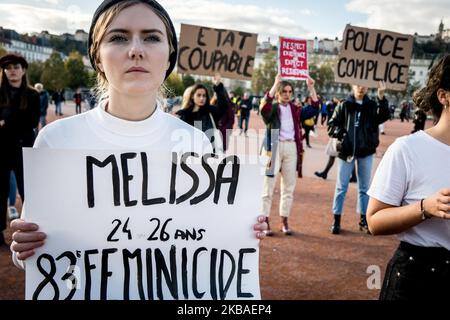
[194, 89]
[426, 99]
[281, 86]
[5, 87]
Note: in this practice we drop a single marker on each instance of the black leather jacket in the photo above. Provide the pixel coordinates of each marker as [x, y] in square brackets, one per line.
[356, 126]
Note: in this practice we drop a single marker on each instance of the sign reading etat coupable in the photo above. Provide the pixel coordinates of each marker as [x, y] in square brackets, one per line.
[368, 56]
[208, 51]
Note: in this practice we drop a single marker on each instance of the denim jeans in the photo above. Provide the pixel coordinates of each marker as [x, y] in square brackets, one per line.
[242, 119]
[58, 109]
[363, 173]
[12, 189]
[417, 273]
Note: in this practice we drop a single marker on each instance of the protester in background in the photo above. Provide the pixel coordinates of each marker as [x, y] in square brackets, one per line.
[245, 106]
[43, 99]
[392, 109]
[323, 113]
[283, 144]
[255, 104]
[355, 124]
[19, 117]
[58, 100]
[77, 98]
[204, 116]
[133, 48]
[404, 111]
[225, 123]
[308, 123]
[331, 106]
[410, 196]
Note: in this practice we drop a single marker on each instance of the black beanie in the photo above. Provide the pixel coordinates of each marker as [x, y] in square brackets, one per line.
[157, 7]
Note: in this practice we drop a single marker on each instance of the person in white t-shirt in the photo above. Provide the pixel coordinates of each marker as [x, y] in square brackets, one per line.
[410, 196]
[133, 48]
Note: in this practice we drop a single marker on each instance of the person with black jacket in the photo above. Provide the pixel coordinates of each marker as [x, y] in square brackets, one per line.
[19, 117]
[198, 111]
[44, 97]
[355, 124]
[245, 106]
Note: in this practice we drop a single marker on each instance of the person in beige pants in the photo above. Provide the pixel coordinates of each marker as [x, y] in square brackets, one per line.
[283, 143]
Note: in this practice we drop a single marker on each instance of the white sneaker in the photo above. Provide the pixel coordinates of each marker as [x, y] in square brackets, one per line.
[13, 213]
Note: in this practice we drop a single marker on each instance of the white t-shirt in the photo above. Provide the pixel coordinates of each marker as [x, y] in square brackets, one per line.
[415, 167]
[97, 129]
[287, 131]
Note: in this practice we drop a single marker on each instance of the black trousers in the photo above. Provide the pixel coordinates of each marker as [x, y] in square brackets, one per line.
[417, 273]
[11, 161]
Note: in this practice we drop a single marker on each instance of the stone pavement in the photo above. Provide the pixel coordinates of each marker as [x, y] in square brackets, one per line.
[312, 263]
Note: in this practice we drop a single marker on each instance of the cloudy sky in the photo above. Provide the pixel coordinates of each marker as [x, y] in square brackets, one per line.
[268, 18]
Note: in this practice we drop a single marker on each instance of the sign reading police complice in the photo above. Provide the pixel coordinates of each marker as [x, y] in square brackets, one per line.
[142, 225]
[368, 56]
[208, 51]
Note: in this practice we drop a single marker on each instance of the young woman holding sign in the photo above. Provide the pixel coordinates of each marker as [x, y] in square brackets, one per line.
[283, 143]
[410, 196]
[133, 48]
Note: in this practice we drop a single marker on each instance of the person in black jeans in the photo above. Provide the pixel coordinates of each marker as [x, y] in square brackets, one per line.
[245, 106]
[19, 117]
[410, 196]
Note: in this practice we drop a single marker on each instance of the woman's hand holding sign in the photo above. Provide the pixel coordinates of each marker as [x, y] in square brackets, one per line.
[26, 238]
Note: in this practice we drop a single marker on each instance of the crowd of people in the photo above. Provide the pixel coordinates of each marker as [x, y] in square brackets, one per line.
[409, 196]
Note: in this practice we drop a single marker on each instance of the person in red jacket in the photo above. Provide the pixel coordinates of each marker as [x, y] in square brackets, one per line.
[283, 144]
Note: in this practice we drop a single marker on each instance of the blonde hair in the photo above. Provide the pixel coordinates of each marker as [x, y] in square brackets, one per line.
[186, 97]
[98, 34]
[280, 88]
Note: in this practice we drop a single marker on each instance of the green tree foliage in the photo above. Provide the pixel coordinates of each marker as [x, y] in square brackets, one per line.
[54, 75]
[2, 51]
[175, 85]
[239, 92]
[264, 76]
[34, 72]
[323, 75]
[77, 75]
[188, 80]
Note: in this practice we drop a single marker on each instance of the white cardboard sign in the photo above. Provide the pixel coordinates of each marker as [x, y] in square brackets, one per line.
[141, 225]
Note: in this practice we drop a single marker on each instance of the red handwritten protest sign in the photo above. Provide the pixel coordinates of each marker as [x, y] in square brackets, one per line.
[293, 58]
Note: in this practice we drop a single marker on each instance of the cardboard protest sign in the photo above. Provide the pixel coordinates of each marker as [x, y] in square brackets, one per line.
[368, 56]
[142, 225]
[293, 58]
[207, 51]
